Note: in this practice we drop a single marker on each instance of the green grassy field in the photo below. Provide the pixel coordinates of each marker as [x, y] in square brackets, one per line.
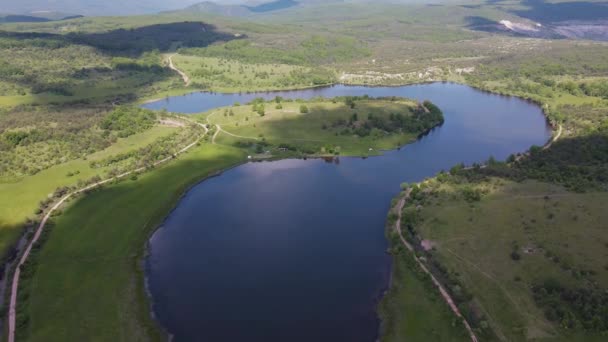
[519, 235]
[20, 197]
[326, 129]
[88, 281]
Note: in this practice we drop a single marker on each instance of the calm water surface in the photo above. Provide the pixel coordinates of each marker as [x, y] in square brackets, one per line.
[294, 250]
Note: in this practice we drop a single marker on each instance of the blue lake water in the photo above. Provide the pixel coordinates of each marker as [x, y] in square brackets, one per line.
[294, 250]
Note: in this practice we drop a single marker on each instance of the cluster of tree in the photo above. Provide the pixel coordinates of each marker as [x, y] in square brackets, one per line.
[419, 120]
[258, 106]
[13, 139]
[577, 309]
[147, 62]
[127, 120]
[33, 138]
[579, 164]
[589, 88]
[146, 156]
[14, 40]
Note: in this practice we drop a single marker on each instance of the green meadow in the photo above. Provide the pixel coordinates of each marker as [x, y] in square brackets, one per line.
[86, 283]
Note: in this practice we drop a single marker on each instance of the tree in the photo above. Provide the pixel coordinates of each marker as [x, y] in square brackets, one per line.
[534, 150]
[261, 110]
[303, 109]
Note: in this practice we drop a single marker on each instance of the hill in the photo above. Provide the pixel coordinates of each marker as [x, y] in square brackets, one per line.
[36, 17]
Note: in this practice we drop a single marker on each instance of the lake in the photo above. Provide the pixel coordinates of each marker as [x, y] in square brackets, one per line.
[294, 250]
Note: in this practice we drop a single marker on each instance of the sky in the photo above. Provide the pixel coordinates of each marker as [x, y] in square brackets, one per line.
[126, 7]
[98, 7]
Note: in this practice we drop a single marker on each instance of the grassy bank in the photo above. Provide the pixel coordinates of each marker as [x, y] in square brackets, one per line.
[508, 249]
[88, 281]
[412, 309]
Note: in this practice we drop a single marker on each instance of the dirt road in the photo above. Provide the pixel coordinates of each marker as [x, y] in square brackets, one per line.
[446, 296]
[181, 73]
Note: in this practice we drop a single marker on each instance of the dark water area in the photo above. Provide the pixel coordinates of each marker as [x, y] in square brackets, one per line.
[294, 250]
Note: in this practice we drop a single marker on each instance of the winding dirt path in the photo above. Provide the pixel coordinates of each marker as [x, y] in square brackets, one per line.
[217, 131]
[446, 296]
[12, 314]
[557, 136]
[219, 128]
[181, 73]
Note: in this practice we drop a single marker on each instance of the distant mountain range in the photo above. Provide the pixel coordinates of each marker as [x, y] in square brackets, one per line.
[19, 10]
[36, 17]
[241, 10]
[94, 7]
[251, 7]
